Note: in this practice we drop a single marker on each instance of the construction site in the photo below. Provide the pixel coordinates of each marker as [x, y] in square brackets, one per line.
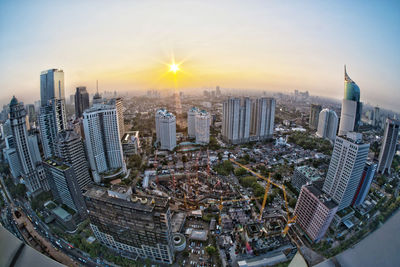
[243, 228]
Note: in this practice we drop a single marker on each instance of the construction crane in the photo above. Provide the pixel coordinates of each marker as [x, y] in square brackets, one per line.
[290, 221]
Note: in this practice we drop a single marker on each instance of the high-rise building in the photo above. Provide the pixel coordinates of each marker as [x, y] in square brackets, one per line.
[20, 138]
[64, 185]
[81, 101]
[191, 121]
[304, 175]
[166, 129]
[117, 103]
[202, 125]
[30, 109]
[97, 99]
[218, 91]
[350, 117]
[33, 144]
[71, 151]
[52, 120]
[365, 183]
[388, 149]
[314, 211]
[377, 117]
[103, 142]
[346, 168]
[135, 226]
[315, 109]
[236, 120]
[262, 118]
[327, 124]
[51, 85]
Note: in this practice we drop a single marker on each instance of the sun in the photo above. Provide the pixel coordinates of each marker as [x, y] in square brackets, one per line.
[174, 67]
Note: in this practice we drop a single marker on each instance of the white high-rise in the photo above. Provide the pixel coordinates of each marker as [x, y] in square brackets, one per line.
[103, 141]
[191, 123]
[345, 169]
[166, 129]
[202, 123]
[236, 120]
[389, 145]
[327, 124]
[262, 119]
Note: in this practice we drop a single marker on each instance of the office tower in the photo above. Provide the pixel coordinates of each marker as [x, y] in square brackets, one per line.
[304, 175]
[166, 129]
[64, 185]
[71, 151]
[388, 148]
[314, 116]
[103, 142]
[52, 120]
[33, 144]
[218, 91]
[97, 99]
[20, 137]
[51, 85]
[376, 117]
[117, 103]
[327, 124]
[350, 117]
[262, 119]
[191, 122]
[81, 101]
[314, 211]
[202, 125]
[236, 120]
[11, 155]
[345, 169]
[30, 109]
[365, 183]
[135, 226]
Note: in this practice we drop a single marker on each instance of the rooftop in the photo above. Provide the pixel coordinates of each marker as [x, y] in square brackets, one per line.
[323, 197]
[62, 213]
[310, 172]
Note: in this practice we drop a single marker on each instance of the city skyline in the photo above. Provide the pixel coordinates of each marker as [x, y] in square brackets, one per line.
[266, 46]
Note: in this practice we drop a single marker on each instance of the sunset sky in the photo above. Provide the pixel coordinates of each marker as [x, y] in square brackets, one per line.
[268, 45]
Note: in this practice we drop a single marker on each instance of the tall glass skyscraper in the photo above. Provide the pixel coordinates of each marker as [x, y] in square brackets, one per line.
[351, 106]
[51, 85]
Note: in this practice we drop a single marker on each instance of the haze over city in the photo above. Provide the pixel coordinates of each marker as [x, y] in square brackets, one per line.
[266, 45]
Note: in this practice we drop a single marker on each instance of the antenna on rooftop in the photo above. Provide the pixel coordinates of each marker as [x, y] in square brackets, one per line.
[97, 86]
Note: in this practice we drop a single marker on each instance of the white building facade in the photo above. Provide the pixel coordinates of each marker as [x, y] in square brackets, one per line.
[327, 124]
[166, 129]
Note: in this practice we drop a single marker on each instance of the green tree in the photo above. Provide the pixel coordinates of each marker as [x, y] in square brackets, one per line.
[211, 250]
[240, 171]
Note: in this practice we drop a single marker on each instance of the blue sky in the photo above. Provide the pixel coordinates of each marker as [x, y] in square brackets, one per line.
[270, 45]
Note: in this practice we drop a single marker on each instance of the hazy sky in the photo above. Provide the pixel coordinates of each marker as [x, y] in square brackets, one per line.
[271, 45]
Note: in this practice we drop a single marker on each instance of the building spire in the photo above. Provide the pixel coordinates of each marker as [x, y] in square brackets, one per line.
[346, 76]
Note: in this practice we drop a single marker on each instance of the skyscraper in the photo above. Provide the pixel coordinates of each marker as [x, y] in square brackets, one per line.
[103, 142]
[346, 168]
[389, 144]
[81, 101]
[71, 151]
[314, 115]
[166, 129]
[191, 123]
[52, 120]
[236, 120]
[20, 139]
[202, 125]
[262, 118]
[64, 185]
[365, 183]
[136, 226]
[327, 124]
[314, 211]
[51, 85]
[376, 117]
[350, 117]
[117, 103]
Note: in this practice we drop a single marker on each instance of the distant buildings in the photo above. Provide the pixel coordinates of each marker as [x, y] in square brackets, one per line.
[376, 119]
[303, 175]
[346, 168]
[136, 226]
[389, 145]
[350, 117]
[81, 101]
[166, 129]
[314, 116]
[51, 85]
[103, 141]
[327, 124]
[199, 122]
[314, 211]
[244, 121]
[365, 183]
